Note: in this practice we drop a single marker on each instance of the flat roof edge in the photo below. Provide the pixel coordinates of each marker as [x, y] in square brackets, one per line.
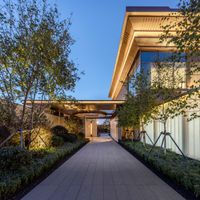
[150, 9]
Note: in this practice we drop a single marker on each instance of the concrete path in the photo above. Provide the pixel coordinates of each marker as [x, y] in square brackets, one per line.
[102, 170]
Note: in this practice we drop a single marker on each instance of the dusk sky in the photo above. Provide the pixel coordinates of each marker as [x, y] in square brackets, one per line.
[96, 28]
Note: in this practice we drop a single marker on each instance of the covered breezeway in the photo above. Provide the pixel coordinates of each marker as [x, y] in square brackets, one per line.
[88, 110]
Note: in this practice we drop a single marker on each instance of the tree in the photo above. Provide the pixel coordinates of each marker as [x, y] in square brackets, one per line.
[74, 124]
[167, 82]
[104, 127]
[139, 106]
[34, 53]
[187, 40]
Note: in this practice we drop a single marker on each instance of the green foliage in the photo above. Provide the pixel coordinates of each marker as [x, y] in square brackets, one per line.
[167, 84]
[81, 135]
[70, 137]
[34, 57]
[14, 158]
[185, 172]
[42, 161]
[8, 115]
[36, 28]
[63, 132]
[59, 130]
[187, 40]
[128, 115]
[39, 153]
[74, 124]
[4, 133]
[104, 127]
[57, 141]
[187, 29]
[140, 102]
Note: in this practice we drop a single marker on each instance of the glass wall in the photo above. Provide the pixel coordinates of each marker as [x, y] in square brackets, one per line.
[136, 68]
[148, 62]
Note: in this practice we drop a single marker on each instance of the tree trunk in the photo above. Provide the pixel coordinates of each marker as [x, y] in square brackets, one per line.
[22, 120]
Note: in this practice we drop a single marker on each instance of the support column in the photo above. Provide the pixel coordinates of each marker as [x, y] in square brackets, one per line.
[115, 131]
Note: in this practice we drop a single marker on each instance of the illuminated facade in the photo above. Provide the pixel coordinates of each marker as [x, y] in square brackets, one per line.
[139, 48]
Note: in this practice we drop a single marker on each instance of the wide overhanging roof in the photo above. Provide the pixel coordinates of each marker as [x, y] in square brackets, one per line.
[141, 31]
[84, 108]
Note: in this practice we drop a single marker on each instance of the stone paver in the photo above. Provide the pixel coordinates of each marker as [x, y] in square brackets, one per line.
[102, 170]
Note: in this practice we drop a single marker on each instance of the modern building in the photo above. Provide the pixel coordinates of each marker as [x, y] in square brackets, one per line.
[139, 48]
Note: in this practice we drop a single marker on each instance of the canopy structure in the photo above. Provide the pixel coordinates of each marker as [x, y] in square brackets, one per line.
[88, 110]
[93, 109]
[141, 31]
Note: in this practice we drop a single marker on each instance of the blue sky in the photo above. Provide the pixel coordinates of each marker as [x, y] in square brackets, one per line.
[96, 27]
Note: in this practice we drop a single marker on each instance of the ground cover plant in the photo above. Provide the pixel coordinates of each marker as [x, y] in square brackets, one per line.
[183, 171]
[20, 167]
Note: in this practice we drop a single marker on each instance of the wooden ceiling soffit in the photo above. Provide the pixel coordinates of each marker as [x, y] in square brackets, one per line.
[139, 32]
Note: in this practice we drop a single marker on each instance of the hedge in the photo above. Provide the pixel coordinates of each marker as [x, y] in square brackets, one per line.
[11, 181]
[182, 171]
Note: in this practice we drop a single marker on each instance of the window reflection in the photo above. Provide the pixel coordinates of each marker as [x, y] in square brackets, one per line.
[146, 63]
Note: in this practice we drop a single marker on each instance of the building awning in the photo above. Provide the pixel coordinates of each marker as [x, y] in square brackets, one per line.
[141, 30]
[84, 108]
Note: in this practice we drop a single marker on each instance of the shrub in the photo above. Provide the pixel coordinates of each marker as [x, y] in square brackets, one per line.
[81, 135]
[57, 141]
[62, 132]
[184, 171]
[15, 140]
[73, 124]
[39, 153]
[4, 132]
[14, 157]
[70, 137]
[42, 161]
[59, 130]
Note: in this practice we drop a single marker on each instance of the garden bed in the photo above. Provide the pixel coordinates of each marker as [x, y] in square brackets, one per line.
[42, 161]
[181, 173]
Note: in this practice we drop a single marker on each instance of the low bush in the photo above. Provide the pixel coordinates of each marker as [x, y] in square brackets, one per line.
[59, 130]
[39, 153]
[62, 132]
[70, 137]
[14, 157]
[56, 141]
[42, 160]
[80, 135]
[184, 171]
[4, 133]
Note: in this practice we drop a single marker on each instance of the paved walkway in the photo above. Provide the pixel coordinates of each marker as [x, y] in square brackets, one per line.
[102, 170]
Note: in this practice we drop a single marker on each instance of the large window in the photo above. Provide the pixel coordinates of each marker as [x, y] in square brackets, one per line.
[172, 67]
[147, 61]
[136, 68]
